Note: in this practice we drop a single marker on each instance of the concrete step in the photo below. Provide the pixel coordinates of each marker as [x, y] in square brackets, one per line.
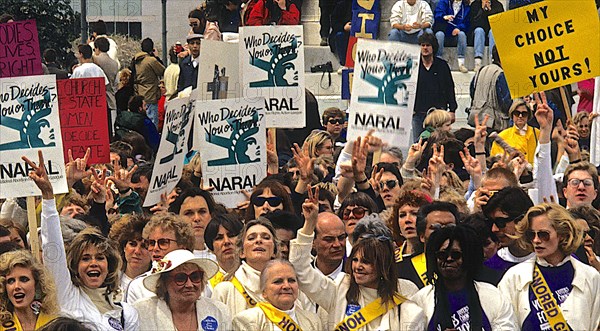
[315, 55]
[318, 87]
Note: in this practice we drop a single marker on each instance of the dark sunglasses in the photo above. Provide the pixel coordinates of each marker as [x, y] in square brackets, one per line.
[273, 201]
[336, 121]
[181, 278]
[443, 255]
[521, 113]
[358, 212]
[193, 24]
[543, 235]
[502, 221]
[389, 183]
[591, 232]
[294, 173]
[163, 243]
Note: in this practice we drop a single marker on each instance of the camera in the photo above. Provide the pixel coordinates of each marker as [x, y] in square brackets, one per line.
[325, 67]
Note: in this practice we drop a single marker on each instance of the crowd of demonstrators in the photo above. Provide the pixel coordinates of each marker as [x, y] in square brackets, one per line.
[463, 232]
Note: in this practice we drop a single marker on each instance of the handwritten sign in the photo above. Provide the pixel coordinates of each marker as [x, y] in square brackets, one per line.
[84, 118]
[232, 136]
[172, 149]
[543, 45]
[19, 49]
[383, 90]
[272, 66]
[29, 121]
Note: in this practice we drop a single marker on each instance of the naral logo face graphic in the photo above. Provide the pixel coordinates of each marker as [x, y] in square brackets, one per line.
[34, 129]
[280, 69]
[390, 84]
[241, 146]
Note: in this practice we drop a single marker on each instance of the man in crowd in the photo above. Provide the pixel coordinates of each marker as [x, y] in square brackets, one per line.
[87, 68]
[148, 71]
[111, 70]
[53, 67]
[580, 184]
[188, 67]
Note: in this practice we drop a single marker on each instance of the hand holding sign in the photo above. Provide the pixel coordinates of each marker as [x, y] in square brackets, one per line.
[40, 176]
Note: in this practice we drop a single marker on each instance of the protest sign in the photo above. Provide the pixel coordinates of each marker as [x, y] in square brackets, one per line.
[232, 135]
[29, 121]
[19, 49]
[218, 75]
[543, 45]
[383, 90]
[84, 118]
[172, 149]
[272, 66]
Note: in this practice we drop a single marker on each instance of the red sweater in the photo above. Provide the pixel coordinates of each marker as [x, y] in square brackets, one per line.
[259, 15]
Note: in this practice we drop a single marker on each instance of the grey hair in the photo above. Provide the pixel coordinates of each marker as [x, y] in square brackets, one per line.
[395, 152]
[371, 224]
[69, 227]
[269, 265]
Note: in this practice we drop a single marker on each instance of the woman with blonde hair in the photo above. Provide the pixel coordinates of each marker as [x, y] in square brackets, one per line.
[437, 119]
[27, 292]
[318, 142]
[552, 287]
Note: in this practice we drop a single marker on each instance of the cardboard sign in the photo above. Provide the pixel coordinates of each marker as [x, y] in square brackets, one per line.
[29, 121]
[19, 49]
[84, 118]
[218, 75]
[232, 135]
[172, 149]
[272, 66]
[383, 90]
[543, 45]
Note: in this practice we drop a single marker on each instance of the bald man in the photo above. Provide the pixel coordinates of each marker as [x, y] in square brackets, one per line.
[329, 244]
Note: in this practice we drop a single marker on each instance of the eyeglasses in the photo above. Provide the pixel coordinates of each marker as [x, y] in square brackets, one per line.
[335, 121]
[389, 183]
[294, 173]
[521, 113]
[591, 232]
[502, 221]
[163, 243]
[181, 278]
[574, 182]
[543, 235]
[193, 24]
[260, 201]
[443, 255]
[358, 212]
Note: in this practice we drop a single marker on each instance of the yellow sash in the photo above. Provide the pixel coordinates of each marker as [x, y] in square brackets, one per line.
[366, 314]
[281, 319]
[420, 264]
[236, 283]
[398, 253]
[15, 324]
[217, 278]
[547, 302]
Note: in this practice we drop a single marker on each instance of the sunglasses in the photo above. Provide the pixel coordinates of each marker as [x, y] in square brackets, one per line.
[443, 255]
[194, 24]
[521, 113]
[543, 235]
[294, 173]
[591, 232]
[389, 183]
[260, 201]
[181, 278]
[335, 121]
[574, 182]
[358, 212]
[163, 243]
[502, 221]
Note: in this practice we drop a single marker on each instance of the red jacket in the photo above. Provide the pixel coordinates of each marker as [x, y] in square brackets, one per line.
[259, 15]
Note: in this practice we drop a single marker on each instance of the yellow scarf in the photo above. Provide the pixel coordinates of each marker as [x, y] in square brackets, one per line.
[15, 324]
[420, 264]
[547, 301]
[236, 283]
[281, 319]
[366, 314]
[217, 278]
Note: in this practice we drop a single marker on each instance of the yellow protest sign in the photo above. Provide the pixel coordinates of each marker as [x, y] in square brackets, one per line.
[548, 44]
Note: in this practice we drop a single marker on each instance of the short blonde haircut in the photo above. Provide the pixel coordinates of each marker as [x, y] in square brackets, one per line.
[436, 118]
[44, 283]
[184, 234]
[315, 140]
[580, 117]
[569, 231]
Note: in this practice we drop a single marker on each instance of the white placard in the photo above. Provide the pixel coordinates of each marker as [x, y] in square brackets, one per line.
[218, 72]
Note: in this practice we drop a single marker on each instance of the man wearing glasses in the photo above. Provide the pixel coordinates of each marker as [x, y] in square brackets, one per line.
[503, 211]
[580, 184]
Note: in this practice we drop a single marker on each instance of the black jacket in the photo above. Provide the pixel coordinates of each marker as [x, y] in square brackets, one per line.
[188, 75]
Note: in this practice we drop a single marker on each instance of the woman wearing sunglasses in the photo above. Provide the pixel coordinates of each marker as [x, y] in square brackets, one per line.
[454, 300]
[521, 136]
[552, 288]
[268, 196]
[370, 296]
[178, 281]
[354, 207]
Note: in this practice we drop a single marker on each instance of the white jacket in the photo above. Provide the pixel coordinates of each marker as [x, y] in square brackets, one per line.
[254, 319]
[331, 295]
[73, 301]
[581, 309]
[497, 309]
[212, 315]
[403, 13]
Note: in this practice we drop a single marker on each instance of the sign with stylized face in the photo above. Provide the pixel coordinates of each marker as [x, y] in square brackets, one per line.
[19, 49]
[29, 121]
[272, 66]
[173, 147]
[544, 45]
[383, 90]
[232, 137]
[218, 75]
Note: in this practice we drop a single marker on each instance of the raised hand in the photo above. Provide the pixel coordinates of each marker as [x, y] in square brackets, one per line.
[272, 158]
[472, 166]
[481, 133]
[246, 203]
[415, 152]
[163, 205]
[98, 188]
[437, 166]
[544, 116]
[359, 158]
[572, 143]
[376, 178]
[375, 143]
[518, 166]
[310, 210]
[40, 176]
[304, 162]
[122, 178]
[76, 168]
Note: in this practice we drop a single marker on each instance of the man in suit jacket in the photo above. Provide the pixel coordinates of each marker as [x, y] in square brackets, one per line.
[111, 70]
[188, 73]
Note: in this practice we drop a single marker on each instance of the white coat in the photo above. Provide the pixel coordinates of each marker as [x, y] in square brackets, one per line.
[255, 319]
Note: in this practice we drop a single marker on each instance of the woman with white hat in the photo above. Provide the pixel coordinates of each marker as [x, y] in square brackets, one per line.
[178, 281]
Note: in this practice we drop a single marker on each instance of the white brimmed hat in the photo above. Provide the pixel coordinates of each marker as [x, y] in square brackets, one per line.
[194, 36]
[173, 260]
